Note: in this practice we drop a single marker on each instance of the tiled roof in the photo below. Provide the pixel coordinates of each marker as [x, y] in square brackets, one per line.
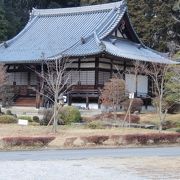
[81, 31]
[127, 49]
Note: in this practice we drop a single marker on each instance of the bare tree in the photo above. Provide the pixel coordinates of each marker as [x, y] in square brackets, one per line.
[157, 73]
[55, 76]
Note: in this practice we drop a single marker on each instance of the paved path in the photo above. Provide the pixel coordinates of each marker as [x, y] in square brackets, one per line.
[88, 153]
[93, 164]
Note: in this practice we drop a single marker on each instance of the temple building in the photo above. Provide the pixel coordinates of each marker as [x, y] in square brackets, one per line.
[99, 39]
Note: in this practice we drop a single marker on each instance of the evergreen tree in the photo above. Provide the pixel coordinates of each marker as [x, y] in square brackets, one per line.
[3, 25]
[153, 22]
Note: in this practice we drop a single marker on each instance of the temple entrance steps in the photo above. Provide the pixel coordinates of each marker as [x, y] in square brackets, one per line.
[25, 101]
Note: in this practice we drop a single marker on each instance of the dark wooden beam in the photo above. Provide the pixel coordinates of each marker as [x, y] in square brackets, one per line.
[96, 71]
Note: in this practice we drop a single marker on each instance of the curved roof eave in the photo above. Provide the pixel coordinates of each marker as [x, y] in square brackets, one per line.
[76, 10]
[129, 50]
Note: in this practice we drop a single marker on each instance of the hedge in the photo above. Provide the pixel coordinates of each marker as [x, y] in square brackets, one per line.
[27, 141]
[7, 119]
[154, 138]
[28, 118]
[119, 117]
[96, 139]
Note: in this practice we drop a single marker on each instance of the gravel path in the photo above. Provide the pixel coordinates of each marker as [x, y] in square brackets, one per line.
[93, 169]
[92, 164]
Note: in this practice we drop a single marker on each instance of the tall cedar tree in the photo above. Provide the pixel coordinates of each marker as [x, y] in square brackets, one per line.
[3, 25]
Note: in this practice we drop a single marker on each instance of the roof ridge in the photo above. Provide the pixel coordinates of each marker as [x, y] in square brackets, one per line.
[81, 9]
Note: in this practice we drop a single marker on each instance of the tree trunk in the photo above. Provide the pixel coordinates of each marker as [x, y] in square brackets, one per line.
[55, 113]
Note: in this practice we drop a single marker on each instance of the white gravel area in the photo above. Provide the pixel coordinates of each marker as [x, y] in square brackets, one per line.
[87, 169]
[135, 168]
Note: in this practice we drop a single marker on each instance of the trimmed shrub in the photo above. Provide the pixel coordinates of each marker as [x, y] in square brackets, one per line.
[29, 118]
[47, 115]
[69, 141]
[27, 141]
[119, 117]
[97, 139]
[69, 114]
[170, 124]
[8, 112]
[136, 105]
[117, 139]
[136, 138]
[133, 118]
[178, 130]
[36, 119]
[7, 119]
[1, 113]
[154, 138]
[95, 125]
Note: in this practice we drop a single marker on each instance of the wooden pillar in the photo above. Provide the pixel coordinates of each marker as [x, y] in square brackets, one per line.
[136, 77]
[29, 78]
[124, 69]
[79, 66]
[111, 70]
[99, 103]
[38, 96]
[96, 72]
[150, 86]
[69, 99]
[87, 102]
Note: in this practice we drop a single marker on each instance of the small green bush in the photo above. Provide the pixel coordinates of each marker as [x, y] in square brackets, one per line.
[1, 113]
[29, 118]
[7, 119]
[70, 114]
[36, 119]
[178, 130]
[8, 112]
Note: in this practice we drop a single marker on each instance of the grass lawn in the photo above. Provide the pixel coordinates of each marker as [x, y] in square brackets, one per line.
[64, 132]
[68, 131]
[30, 130]
[153, 118]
